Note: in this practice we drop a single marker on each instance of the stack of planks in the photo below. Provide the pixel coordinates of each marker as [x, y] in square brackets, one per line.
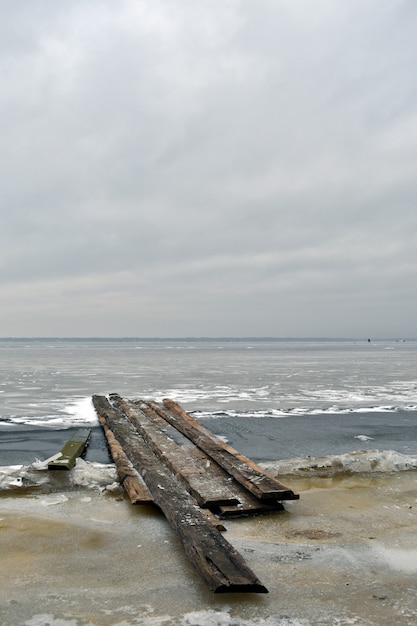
[166, 457]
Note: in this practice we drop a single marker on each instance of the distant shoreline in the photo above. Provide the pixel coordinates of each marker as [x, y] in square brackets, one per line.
[213, 339]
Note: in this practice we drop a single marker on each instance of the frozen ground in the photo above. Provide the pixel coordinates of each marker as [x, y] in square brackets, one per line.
[345, 553]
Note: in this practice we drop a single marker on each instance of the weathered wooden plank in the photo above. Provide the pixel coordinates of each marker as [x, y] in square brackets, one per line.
[130, 478]
[209, 484]
[70, 451]
[220, 564]
[245, 471]
[133, 482]
[249, 505]
[246, 503]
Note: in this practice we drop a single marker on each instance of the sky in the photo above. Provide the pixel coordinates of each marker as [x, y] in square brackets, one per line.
[208, 168]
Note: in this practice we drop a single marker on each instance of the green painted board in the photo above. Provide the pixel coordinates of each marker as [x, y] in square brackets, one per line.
[74, 448]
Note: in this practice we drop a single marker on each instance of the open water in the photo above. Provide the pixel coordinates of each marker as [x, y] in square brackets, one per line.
[272, 400]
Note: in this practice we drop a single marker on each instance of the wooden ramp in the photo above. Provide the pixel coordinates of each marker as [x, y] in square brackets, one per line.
[164, 456]
[65, 460]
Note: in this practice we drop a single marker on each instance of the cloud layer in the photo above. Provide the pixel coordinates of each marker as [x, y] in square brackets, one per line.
[208, 168]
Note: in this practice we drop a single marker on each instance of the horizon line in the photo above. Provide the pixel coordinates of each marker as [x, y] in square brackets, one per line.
[201, 338]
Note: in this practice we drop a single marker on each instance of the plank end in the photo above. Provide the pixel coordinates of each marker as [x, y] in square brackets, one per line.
[256, 587]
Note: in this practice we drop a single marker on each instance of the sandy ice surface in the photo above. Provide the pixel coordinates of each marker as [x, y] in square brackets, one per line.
[345, 553]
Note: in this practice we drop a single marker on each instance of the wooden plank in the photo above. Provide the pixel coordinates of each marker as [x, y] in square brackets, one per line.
[130, 478]
[209, 484]
[132, 481]
[246, 472]
[249, 505]
[219, 564]
[70, 451]
[245, 503]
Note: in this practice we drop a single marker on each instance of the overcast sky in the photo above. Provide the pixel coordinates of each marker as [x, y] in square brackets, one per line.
[208, 168]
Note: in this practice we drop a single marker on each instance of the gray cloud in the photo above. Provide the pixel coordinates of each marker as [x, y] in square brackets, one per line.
[208, 168]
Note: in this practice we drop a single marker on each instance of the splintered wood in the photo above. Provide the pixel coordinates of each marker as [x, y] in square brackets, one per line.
[165, 456]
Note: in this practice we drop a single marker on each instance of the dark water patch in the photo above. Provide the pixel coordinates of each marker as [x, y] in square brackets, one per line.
[22, 447]
[267, 439]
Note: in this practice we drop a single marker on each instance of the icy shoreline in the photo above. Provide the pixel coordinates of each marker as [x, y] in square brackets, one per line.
[80, 554]
[85, 475]
[103, 476]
